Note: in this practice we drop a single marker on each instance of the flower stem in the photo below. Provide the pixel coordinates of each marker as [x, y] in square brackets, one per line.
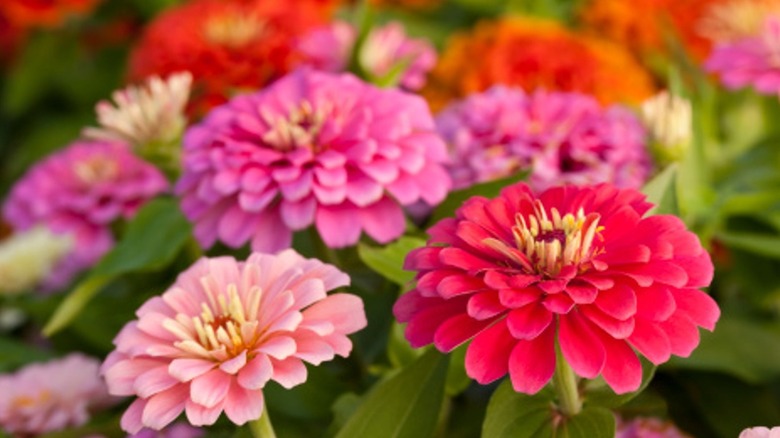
[565, 383]
[262, 428]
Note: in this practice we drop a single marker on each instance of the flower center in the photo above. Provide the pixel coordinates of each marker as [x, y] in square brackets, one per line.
[554, 241]
[233, 29]
[299, 129]
[95, 170]
[28, 401]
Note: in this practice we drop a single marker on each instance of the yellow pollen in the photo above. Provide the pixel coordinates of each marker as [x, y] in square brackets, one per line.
[96, 169]
[299, 129]
[27, 401]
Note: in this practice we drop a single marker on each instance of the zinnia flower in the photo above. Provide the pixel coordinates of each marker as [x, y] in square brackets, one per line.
[50, 13]
[760, 432]
[312, 148]
[560, 137]
[226, 45]
[753, 61]
[575, 266]
[516, 51]
[81, 190]
[726, 21]
[225, 328]
[51, 396]
[177, 430]
[647, 427]
[28, 258]
[384, 49]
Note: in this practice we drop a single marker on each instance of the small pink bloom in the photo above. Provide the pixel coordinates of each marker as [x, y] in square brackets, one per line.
[52, 396]
[81, 190]
[760, 432]
[559, 137]
[576, 266]
[752, 61]
[213, 340]
[313, 148]
[177, 430]
[385, 48]
[647, 428]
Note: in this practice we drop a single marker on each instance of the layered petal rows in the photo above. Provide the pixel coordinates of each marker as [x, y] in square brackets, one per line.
[213, 340]
[577, 266]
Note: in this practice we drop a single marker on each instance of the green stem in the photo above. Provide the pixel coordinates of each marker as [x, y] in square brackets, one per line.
[262, 428]
[565, 384]
[322, 250]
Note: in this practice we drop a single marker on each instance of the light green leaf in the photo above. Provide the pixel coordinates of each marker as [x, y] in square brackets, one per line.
[16, 353]
[489, 189]
[514, 415]
[661, 191]
[457, 379]
[592, 422]
[388, 261]
[406, 405]
[764, 244]
[151, 242]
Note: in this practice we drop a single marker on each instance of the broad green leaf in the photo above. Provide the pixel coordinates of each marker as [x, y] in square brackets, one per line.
[598, 393]
[151, 242]
[399, 351]
[15, 354]
[489, 189]
[514, 415]
[388, 261]
[764, 244]
[406, 405]
[743, 348]
[661, 191]
[592, 422]
[457, 379]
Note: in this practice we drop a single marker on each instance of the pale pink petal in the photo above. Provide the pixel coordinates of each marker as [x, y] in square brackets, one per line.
[210, 388]
[242, 405]
[162, 408]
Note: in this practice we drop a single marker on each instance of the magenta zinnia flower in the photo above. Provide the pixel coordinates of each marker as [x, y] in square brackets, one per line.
[311, 148]
[560, 137]
[577, 266]
[80, 191]
[51, 396]
[752, 61]
[222, 331]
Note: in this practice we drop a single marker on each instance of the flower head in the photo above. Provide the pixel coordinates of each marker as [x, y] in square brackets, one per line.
[575, 266]
[52, 13]
[649, 427]
[560, 137]
[753, 61]
[51, 396]
[225, 45]
[669, 119]
[153, 113]
[28, 258]
[311, 148]
[176, 430]
[760, 432]
[81, 190]
[213, 340]
[515, 51]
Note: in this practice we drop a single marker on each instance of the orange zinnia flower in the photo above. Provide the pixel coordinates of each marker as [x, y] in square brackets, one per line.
[44, 13]
[533, 54]
[227, 45]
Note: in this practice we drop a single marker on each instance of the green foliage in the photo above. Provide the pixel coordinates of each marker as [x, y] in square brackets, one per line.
[388, 261]
[489, 189]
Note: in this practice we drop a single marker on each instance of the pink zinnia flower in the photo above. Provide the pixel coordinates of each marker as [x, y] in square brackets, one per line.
[752, 61]
[385, 48]
[223, 330]
[46, 397]
[647, 427]
[577, 266]
[81, 190]
[560, 137]
[313, 148]
[178, 430]
[760, 432]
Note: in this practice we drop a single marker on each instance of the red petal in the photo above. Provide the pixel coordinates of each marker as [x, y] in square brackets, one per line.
[655, 303]
[532, 363]
[485, 305]
[651, 341]
[457, 330]
[619, 302]
[698, 306]
[529, 321]
[580, 347]
[487, 357]
[683, 334]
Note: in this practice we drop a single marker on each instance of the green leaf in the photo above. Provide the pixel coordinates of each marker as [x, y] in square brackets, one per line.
[457, 379]
[151, 242]
[764, 244]
[388, 261]
[598, 393]
[743, 348]
[514, 415]
[399, 352]
[16, 354]
[661, 191]
[489, 189]
[406, 405]
[592, 422]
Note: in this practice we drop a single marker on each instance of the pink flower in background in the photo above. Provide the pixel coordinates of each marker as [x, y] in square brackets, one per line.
[752, 61]
[577, 266]
[51, 396]
[385, 48]
[760, 432]
[641, 427]
[559, 137]
[177, 430]
[313, 148]
[225, 328]
[80, 191]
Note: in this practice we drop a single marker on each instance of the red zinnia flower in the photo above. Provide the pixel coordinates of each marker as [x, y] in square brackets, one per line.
[576, 266]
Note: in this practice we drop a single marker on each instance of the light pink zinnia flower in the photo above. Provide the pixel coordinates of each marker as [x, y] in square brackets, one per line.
[753, 61]
[560, 137]
[577, 266]
[223, 330]
[760, 432]
[46, 397]
[81, 190]
[311, 148]
[647, 427]
[385, 48]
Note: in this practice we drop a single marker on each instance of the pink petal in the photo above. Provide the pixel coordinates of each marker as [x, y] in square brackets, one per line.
[199, 415]
[622, 369]
[339, 226]
[698, 306]
[236, 226]
[484, 305]
[532, 362]
[162, 408]
[242, 405]
[272, 233]
[131, 420]
[529, 321]
[487, 357]
[457, 330]
[255, 373]
[344, 311]
[235, 364]
[298, 215]
[278, 347]
[683, 334]
[655, 303]
[289, 372]
[619, 302]
[616, 328]
[383, 220]
[211, 388]
[187, 369]
[580, 347]
[651, 341]
[153, 381]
